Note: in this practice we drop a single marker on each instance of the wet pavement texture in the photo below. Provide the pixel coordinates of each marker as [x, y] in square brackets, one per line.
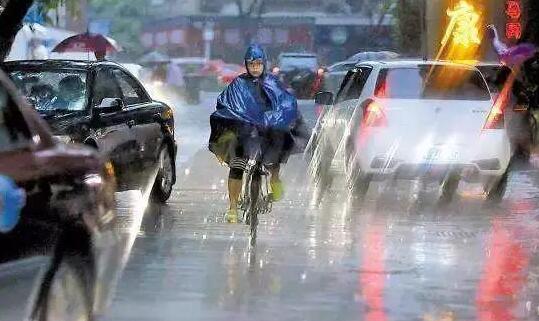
[397, 257]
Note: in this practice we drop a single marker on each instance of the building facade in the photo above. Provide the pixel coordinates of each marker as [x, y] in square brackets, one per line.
[279, 25]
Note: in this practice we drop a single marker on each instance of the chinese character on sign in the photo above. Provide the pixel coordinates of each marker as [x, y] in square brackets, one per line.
[513, 26]
[464, 24]
[513, 30]
[513, 9]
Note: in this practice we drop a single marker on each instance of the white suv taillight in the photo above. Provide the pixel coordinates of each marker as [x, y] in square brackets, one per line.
[374, 115]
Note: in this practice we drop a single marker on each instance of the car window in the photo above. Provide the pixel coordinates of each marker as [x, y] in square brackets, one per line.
[291, 62]
[342, 67]
[353, 84]
[432, 82]
[105, 86]
[491, 73]
[14, 133]
[131, 91]
[53, 90]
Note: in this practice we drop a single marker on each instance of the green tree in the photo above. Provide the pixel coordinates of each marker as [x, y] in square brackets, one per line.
[12, 14]
[126, 18]
[409, 25]
[531, 31]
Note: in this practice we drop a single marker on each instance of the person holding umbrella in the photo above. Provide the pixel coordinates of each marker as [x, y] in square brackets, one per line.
[89, 42]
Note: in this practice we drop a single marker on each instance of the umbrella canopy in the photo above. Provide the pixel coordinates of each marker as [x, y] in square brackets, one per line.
[87, 42]
[154, 57]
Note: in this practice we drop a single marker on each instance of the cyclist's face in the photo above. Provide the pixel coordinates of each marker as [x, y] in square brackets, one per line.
[255, 67]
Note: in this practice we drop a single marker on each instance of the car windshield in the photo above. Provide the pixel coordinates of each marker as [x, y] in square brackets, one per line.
[443, 82]
[298, 62]
[52, 91]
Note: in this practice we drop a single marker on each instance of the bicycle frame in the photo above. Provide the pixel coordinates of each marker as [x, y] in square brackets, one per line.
[255, 198]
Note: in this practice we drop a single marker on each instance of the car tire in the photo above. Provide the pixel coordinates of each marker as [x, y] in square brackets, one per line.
[496, 192]
[358, 182]
[360, 186]
[164, 180]
[319, 167]
[449, 187]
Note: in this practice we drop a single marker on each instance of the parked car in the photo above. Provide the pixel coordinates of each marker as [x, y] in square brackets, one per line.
[68, 217]
[100, 104]
[229, 72]
[299, 73]
[413, 120]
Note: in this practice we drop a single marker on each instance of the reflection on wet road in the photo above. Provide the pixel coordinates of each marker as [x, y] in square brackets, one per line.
[394, 258]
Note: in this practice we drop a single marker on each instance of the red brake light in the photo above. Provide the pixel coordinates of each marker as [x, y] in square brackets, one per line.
[374, 116]
[381, 90]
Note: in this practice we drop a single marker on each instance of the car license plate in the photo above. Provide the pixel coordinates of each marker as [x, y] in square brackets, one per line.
[441, 154]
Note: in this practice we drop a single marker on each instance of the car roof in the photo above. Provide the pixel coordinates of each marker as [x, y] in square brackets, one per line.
[60, 64]
[189, 60]
[297, 54]
[413, 63]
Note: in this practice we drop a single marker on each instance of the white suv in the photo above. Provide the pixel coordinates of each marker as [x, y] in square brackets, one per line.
[412, 120]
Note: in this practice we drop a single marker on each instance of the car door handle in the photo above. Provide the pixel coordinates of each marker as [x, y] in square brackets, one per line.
[130, 123]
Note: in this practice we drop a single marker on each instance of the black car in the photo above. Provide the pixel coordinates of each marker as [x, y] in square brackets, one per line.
[66, 226]
[299, 73]
[100, 104]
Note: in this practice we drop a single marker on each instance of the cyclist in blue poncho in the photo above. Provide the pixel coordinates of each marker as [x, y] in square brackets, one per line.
[255, 101]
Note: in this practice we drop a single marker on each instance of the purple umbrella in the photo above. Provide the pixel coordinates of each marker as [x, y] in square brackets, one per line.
[514, 55]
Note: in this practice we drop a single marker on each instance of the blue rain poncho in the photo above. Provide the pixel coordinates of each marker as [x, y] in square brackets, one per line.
[12, 199]
[239, 101]
[261, 102]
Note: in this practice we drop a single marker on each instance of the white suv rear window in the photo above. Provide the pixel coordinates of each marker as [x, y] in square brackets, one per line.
[441, 82]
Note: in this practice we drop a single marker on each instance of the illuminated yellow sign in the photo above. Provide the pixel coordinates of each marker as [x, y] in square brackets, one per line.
[463, 25]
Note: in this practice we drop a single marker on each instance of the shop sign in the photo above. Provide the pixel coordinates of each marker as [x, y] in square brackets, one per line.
[513, 25]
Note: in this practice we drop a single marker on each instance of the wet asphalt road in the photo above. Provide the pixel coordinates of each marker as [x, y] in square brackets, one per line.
[398, 257]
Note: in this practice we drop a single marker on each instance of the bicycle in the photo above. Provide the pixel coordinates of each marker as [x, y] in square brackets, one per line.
[255, 198]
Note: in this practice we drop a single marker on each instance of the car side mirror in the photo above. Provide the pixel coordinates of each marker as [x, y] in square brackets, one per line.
[324, 98]
[110, 105]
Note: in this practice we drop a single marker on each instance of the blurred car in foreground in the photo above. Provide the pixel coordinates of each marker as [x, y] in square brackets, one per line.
[413, 120]
[299, 72]
[68, 216]
[101, 105]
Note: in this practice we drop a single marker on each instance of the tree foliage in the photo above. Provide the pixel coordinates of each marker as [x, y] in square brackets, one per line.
[531, 32]
[126, 18]
[408, 27]
[250, 8]
[13, 13]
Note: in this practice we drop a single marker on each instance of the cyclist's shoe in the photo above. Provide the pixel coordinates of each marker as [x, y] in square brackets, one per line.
[277, 191]
[231, 216]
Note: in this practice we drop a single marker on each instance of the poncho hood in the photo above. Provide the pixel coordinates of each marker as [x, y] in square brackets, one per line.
[238, 102]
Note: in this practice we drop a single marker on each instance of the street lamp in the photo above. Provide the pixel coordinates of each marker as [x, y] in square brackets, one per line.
[208, 36]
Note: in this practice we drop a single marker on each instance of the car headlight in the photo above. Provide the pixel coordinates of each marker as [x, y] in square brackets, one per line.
[65, 139]
[168, 114]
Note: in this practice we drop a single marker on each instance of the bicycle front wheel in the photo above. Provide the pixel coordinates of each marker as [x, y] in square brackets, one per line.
[254, 192]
